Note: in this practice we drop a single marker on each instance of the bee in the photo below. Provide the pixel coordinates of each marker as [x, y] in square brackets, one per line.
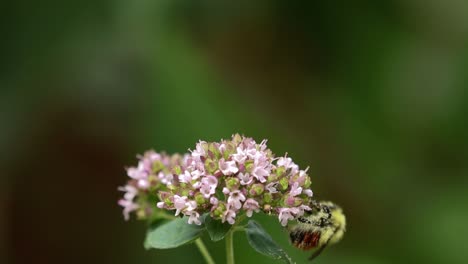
[324, 225]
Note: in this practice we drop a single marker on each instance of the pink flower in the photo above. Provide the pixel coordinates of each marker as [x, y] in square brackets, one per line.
[286, 214]
[190, 206]
[179, 203]
[213, 200]
[196, 185]
[235, 199]
[137, 173]
[199, 151]
[308, 192]
[165, 178]
[262, 145]
[240, 156]
[295, 190]
[249, 172]
[229, 216]
[208, 186]
[228, 167]
[260, 173]
[245, 178]
[271, 187]
[288, 164]
[302, 177]
[129, 206]
[130, 192]
[251, 205]
[143, 184]
[262, 167]
[197, 174]
[303, 208]
[222, 146]
[194, 218]
[186, 177]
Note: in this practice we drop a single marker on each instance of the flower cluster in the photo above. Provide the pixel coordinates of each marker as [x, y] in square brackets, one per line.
[225, 179]
[152, 174]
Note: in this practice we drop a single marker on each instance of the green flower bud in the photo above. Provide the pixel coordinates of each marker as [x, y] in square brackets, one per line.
[230, 149]
[249, 164]
[200, 199]
[219, 211]
[204, 145]
[211, 166]
[176, 170]
[257, 189]
[307, 182]
[157, 166]
[153, 180]
[272, 177]
[268, 197]
[232, 183]
[184, 192]
[280, 171]
[213, 151]
[236, 139]
[283, 184]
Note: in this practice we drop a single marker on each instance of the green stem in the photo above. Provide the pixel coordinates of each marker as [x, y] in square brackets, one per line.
[238, 228]
[204, 251]
[230, 247]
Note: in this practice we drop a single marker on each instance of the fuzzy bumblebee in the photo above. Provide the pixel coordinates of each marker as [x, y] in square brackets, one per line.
[324, 225]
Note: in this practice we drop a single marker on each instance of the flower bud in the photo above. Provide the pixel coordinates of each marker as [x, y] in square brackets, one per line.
[267, 197]
[272, 177]
[157, 166]
[163, 196]
[257, 189]
[176, 170]
[184, 192]
[283, 184]
[280, 171]
[219, 210]
[213, 151]
[236, 139]
[293, 201]
[204, 145]
[200, 199]
[307, 182]
[249, 165]
[229, 149]
[232, 183]
[211, 166]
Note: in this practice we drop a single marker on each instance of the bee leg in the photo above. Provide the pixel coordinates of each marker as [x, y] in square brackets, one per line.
[317, 252]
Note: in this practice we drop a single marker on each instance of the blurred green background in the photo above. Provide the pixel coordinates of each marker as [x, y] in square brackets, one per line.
[371, 94]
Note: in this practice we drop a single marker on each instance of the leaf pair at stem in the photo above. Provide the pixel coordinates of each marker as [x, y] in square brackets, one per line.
[177, 233]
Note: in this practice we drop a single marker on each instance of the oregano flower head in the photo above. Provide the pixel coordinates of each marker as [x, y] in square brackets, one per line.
[224, 179]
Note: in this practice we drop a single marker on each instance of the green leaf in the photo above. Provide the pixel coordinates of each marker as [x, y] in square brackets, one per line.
[172, 234]
[216, 229]
[152, 225]
[262, 242]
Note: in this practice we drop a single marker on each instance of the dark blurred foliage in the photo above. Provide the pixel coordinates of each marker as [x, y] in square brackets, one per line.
[371, 94]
